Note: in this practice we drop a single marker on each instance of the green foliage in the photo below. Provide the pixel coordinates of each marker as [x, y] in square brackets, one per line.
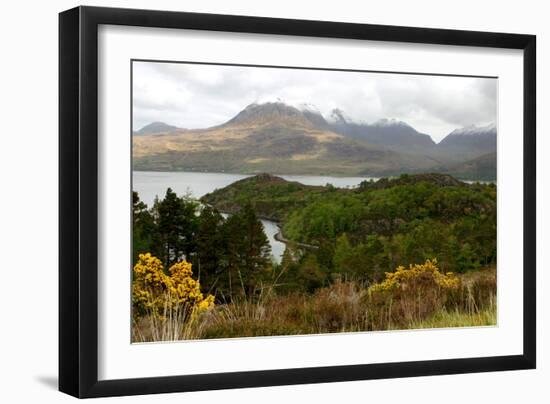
[247, 253]
[342, 254]
[340, 242]
[272, 197]
[324, 218]
[348, 234]
[231, 257]
[310, 276]
[210, 260]
[386, 223]
[364, 261]
[143, 228]
[402, 224]
[176, 227]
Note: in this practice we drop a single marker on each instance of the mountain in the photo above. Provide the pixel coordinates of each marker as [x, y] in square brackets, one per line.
[471, 141]
[271, 137]
[279, 114]
[390, 133]
[282, 139]
[156, 128]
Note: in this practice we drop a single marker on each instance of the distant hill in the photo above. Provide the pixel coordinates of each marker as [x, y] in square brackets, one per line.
[440, 180]
[156, 128]
[274, 197]
[282, 139]
[262, 188]
[471, 141]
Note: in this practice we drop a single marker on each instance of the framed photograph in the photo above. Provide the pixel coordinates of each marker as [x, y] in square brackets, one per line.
[251, 201]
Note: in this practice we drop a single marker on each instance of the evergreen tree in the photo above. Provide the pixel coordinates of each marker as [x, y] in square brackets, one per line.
[248, 251]
[176, 227]
[325, 254]
[143, 228]
[229, 282]
[211, 247]
[377, 263]
[342, 254]
[309, 275]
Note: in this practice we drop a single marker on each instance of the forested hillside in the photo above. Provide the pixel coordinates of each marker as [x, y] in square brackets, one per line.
[374, 249]
[365, 231]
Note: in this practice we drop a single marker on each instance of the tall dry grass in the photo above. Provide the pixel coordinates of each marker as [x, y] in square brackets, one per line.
[172, 322]
[340, 307]
[421, 298]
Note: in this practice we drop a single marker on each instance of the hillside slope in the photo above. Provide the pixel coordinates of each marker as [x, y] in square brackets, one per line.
[470, 141]
[271, 137]
[390, 133]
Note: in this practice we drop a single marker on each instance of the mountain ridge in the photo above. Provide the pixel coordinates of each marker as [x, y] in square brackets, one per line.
[284, 139]
[336, 117]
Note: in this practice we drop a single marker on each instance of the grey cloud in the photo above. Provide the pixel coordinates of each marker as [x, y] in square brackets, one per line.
[199, 96]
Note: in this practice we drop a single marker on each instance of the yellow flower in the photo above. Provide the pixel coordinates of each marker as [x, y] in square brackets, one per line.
[156, 292]
[403, 275]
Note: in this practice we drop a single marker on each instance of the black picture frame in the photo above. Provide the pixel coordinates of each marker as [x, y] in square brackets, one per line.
[78, 201]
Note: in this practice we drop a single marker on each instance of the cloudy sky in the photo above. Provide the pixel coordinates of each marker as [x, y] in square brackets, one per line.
[198, 96]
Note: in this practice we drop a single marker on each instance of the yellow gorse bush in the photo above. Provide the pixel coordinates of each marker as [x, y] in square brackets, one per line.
[158, 293]
[410, 294]
[404, 276]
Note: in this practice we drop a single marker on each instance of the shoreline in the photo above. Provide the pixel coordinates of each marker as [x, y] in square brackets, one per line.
[316, 174]
[279, 235]
[373, 177]
[281, 238]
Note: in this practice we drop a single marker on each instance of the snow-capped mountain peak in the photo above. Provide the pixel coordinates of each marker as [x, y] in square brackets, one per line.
[472, 130]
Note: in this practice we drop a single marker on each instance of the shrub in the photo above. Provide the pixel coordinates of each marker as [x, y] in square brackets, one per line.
[162, 295]
[168, 305]
[409, 294]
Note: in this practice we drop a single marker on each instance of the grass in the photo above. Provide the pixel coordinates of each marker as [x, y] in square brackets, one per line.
[340, 307]
[456, 318]
[171, 325]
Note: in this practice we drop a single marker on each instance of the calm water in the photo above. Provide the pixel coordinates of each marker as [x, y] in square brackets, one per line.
[150, 184]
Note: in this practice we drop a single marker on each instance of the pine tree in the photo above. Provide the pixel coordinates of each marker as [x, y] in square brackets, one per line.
[342, 253]
[309, 275]
[211, 247]
[248, 251]
[143, 228]
[176, 227]
[257, 250]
